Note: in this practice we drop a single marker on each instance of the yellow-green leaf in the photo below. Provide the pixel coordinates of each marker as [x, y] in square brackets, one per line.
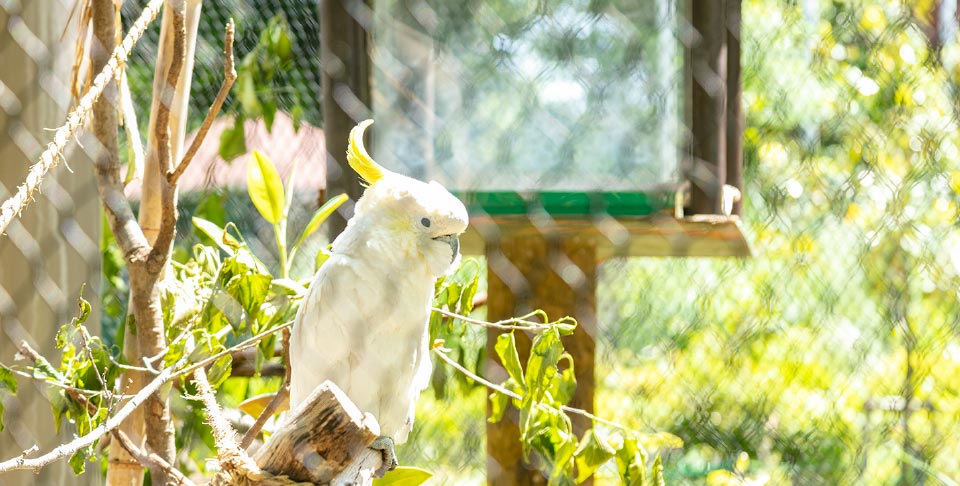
[265, 188]
[219, 236]
[320, 216]
[592, 453]
[506, 348]
[404, 476]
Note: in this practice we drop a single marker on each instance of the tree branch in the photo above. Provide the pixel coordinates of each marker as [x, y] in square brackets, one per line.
[515, 324]
[150, 459]
[50, 157]
[168, 192]
[75, 445]
[231, 456]
[282, 394]
[229, 76]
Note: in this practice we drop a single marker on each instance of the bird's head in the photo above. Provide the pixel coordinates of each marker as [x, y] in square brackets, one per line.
[405, 216]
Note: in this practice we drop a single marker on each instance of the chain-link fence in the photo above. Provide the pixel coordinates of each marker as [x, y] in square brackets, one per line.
[829, 356]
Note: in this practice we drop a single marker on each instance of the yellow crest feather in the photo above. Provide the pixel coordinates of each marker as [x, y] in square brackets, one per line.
[359, 159]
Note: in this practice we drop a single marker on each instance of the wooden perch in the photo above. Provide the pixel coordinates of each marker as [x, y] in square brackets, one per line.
[323, 441]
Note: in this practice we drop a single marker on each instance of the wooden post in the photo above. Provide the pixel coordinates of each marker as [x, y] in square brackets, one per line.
[735, 117]
[559, 276]
[345, 76]
[707, 169]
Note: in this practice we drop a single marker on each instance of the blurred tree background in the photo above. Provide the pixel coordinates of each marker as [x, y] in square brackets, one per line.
[830, 357]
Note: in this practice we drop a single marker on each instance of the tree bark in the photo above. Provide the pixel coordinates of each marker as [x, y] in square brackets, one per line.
[147, 267]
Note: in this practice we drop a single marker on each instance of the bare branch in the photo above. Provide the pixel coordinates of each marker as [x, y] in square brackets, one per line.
[282, 394]
[12, 207]
[229, 76]
[150, 459]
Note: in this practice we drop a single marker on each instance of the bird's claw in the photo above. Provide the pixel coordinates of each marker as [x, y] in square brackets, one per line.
[384, 444]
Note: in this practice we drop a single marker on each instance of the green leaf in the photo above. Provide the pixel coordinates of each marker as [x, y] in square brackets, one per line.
[269, 113]
[247, 92]
[286, 286]
[656, 472]
[220, 370]
[322, 256]
[404, 476]
[296, 114]
[564, 383]
[498, 406]
[78, 461]
[630, 463]
[542, 364]
[265, 188]
[219, 236]
[84, 311]
[320, 216]
[7, 380]
[506, 348]
[592, 453]
[233, 142]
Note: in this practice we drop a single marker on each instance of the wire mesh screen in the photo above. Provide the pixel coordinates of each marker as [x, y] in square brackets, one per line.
[48, 255]
[831, 356]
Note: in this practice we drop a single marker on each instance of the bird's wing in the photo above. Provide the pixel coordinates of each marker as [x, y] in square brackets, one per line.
[329, 327]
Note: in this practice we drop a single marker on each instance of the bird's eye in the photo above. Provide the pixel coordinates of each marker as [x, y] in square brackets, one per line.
[425, 222]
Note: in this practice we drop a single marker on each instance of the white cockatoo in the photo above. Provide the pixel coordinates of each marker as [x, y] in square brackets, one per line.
[364, 321]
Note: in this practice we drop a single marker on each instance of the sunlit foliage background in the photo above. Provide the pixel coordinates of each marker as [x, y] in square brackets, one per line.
[832, 355]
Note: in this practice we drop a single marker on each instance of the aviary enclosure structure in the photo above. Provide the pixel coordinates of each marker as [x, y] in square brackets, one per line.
[585, 138]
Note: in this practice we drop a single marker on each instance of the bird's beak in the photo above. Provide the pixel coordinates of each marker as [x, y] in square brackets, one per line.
[454, 242]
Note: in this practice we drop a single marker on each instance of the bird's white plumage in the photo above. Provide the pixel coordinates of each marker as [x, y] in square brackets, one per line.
[363, 323]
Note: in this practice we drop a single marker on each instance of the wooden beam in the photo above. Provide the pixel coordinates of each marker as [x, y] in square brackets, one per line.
[345, 76]
[558, 275]
[706, 169]
[660, 236]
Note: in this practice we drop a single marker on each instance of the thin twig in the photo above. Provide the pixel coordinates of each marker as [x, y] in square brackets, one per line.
[503, 391]
[12, 207]
[79, 443]
[521, 323]
[150, 459]
[229, 76]
[248, 343]
[67, 388]
[282, 394]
